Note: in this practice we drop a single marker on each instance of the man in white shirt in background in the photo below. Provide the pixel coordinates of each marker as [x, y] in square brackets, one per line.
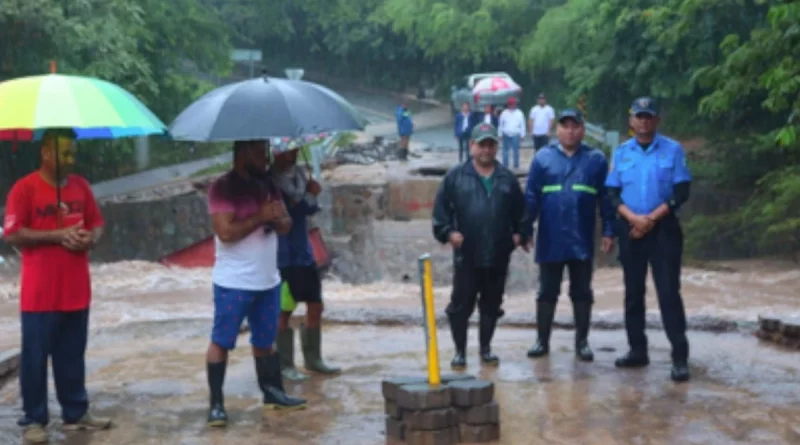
[541, 118]
[512, 129]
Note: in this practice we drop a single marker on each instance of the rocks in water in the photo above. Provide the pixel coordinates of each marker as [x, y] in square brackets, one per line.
[379, 150]
[784, 331]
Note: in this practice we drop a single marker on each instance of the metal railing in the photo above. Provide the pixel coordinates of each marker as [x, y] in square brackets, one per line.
[599, 134]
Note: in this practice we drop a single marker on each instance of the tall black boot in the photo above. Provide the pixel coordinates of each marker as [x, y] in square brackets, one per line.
[217, 416]
[487, 327]
[458, 329]
[545, 312]
[582, 311]
[268, 370]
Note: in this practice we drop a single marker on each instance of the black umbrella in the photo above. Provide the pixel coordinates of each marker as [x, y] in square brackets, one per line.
[263, 108]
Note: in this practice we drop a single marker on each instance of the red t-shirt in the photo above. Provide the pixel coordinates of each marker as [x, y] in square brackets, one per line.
[53, 277]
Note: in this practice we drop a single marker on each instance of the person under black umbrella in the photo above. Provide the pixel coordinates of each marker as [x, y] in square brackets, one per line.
[247, 214]
[299, 268]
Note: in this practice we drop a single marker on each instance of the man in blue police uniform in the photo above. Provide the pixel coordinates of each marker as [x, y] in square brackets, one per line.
[648, 183]
[566, 185]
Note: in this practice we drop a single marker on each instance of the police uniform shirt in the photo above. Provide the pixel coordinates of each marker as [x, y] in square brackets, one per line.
[646, 176]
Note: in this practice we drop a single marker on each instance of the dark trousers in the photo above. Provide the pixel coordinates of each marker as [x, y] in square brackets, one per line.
[468, 284]
[580, 281]
[540, 141]
[60, 336]
[662, 249]
[463, 149]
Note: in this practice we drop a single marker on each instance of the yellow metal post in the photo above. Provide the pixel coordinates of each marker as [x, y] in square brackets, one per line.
[432, 345]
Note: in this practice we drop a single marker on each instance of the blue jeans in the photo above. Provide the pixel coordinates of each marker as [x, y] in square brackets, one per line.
[231, 306]
[60, 336]
[511, 143]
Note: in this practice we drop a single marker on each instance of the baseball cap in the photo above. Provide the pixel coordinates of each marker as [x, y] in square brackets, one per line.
[570, 113]
[512, 100]
[484, 131]
[644, 105]
[542, 96]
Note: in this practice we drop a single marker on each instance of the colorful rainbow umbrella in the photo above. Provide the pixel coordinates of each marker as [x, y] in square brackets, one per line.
[92, 108]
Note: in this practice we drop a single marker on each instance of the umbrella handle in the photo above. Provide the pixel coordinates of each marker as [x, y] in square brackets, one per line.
[58, 190]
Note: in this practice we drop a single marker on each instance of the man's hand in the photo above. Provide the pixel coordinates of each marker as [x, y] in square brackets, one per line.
[456, 239]
[642, 223]
[272, 211]
[76, 238]
[636, 234]
[313, 187]
[607, 245]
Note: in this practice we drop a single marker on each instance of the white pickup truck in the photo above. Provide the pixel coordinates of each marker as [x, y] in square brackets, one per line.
[463, 93]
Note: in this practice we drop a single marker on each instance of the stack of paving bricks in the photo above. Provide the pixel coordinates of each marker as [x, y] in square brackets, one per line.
[460, 410]
[783, 331]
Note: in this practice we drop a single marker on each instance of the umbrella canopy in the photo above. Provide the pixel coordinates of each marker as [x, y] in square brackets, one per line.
[92, 108]
[263, 108]
[495, 84]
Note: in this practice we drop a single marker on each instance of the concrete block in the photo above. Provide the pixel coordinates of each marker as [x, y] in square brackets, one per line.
[480, 415]
[436, 419]
[479, 433]
[423, 397]
[469, 393]
[395, 429]
[448, 436]
[393, 411]
[9, 361]
[450, 378]
[389, 387]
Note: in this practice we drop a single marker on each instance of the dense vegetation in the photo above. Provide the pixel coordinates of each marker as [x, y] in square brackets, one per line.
[727, 72]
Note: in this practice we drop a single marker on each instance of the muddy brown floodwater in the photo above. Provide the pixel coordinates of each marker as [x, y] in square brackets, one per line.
[150, 327]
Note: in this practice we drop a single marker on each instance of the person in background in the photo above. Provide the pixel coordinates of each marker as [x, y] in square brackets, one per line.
[487, 116]
[512, 130]
[247, 214]
[566, 187]
[541, 118]
[648, 184]
[462, 128]
[298, 268]
[479, 211]
[55, 238]
[405, 128]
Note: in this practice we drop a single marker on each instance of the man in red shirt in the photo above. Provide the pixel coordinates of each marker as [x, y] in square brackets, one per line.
[55, 285]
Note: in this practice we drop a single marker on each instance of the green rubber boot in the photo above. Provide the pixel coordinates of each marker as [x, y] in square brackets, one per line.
[312, 351]
[286, 349]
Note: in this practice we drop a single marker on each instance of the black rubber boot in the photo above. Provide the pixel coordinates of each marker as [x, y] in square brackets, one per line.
[680, 372]
[544, 325]
[486, 333]
[217, 417]
[268, 370]
[633, 359]
[458, 329]
[582, 311]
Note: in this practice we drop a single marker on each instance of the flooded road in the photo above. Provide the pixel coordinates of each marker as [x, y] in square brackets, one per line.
[150, 377]
[139, 291]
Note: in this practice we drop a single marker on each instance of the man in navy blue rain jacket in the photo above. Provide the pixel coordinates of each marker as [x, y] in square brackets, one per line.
[566, 185]
[648, 184]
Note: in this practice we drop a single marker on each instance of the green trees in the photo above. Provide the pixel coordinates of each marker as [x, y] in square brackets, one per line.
[725, 71]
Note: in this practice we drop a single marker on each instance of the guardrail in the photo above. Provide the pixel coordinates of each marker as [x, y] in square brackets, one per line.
[599, 134]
